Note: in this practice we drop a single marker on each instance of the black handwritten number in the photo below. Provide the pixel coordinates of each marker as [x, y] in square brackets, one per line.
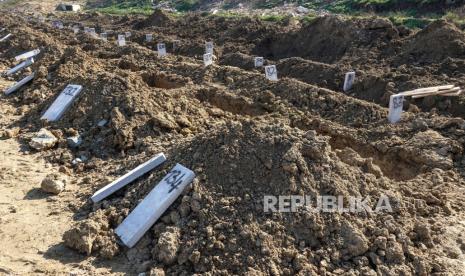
[397, 102]
[174, 179]
[271, 71]
[161, 46]
[70, 91]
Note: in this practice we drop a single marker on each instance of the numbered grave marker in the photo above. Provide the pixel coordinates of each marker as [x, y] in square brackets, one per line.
[349, 81]
[271, 72]
[93, 33]
[5, 37]
[24, 64]
[104, 36]
[149, 37]
[86, 30]
[129, 177]
[19, 84]
[396, 104]
[208, 59]
[76, 29]
[121, 40]
[259, 62]
[62, 103]
[154, 205]
[127, 34]
[209, 47]
[27, 55]
[161, 49]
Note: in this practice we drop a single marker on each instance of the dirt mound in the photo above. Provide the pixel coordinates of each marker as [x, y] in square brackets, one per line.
[158, 18]
[237, 165]
[436, 42]
[327, 38]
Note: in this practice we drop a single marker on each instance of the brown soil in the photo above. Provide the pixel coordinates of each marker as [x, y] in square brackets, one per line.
[246, 138]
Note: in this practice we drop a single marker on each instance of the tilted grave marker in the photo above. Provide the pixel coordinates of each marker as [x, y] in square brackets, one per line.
[129, 177]
[149, 37]
[24, 64]
[62, 103]
[27, 55]
[5, 37]
[19, 84]
[154, 205]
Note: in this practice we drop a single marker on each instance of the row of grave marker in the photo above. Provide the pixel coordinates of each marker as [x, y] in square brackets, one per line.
[271, 73]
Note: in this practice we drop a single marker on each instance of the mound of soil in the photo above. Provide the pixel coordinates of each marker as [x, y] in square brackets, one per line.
[221, 226]
[436, 42]
[158, 18]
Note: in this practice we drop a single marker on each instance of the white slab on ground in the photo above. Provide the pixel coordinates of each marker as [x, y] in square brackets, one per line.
[129, 177]
[396, 103]
[104, 36]
[208, 59]
[5, 37]
[121, 40]
[19, 84]
[24, 64]
[349, 81]
[271, 72]
[76, 29]
[259, 62]
[161, 49]
[209, 47]
[154, 205]
[128, 34]
[27, 55]
[149, 37]
[61, 104]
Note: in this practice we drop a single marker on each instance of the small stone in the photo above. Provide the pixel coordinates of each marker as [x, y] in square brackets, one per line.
[51, 184]
[43, 140]
[74, 142]
[12, 133]
[102, 123]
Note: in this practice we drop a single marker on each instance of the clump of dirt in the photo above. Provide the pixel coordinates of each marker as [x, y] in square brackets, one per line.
[437, 41]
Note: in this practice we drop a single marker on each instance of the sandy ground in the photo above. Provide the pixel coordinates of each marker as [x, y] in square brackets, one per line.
[32, 222]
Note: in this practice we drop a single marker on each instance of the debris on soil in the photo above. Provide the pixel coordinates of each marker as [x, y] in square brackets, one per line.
[43, 140]
[52, 184]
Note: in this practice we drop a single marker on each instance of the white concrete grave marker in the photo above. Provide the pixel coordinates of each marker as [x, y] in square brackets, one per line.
[92, 32]
[19, 84]
[259, 62]
[121, 40]
[208, 59]
[76, 29]
[209, 47]
[349, 81]
[271, 72]
[161, 49]
[154, 205]
[5, 37]
[104, 36]
[27, 55]
[129, 177]
[149, 37]
[24, 64]
[86, 30]
[128, 34]
[64, 100]
[396, 103]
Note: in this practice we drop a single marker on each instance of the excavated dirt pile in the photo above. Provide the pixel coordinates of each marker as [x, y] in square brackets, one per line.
[247, 138]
